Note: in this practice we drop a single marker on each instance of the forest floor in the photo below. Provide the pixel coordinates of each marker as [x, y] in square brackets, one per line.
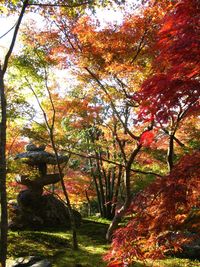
[55, 245]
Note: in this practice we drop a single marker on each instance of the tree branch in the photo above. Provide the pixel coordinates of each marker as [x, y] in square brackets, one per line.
[112, 162]
[8, 31]
[60, 5]
[5, 65]
[175, 138]
[140, 46]
[112, 104]
[38, 101]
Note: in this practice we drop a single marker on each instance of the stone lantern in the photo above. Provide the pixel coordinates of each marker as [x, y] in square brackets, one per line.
[35, 209]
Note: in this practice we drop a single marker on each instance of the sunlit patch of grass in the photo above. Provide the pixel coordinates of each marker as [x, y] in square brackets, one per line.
[87, 255]
[176, 262]
[92, 245]
[98, 220]
[27, 243]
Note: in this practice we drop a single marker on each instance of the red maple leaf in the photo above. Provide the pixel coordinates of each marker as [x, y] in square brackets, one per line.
[146, 138]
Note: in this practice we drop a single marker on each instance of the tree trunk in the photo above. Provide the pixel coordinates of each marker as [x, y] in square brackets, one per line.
[170, 152]
[4, 215]
[96, 188]
[89, 213]
[101, 187]
[107, 188]
[117, 187]
[120, 213]
[117, 218]
[3, 198]
[71, 215]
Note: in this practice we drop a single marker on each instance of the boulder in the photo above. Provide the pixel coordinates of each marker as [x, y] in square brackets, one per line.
[47, 211]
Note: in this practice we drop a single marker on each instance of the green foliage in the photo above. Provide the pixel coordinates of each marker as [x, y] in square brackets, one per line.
[142, 181]
[29, 67]
[18, 106]
[158, 154]
[36, 132]
[194, 144]
[74, 164]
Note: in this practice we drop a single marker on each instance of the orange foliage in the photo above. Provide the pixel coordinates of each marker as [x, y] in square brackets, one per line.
[77, 183]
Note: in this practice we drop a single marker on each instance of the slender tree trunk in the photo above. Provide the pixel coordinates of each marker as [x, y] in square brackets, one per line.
[107, 189]
[71, 215]
[102, 197]
[101, 187]
[96, 188]
[89, 203]
[3, 198]
[4, 215]
[170, 152]
[120, 213]
[112, 182]
[117, 187]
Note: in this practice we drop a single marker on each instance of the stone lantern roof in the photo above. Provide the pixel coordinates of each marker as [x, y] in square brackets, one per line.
[35, 155]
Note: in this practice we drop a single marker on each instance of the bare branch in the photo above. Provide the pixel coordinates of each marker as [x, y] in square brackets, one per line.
[8, 31]
[7, 57]
[38, 101]
[140, 46]
[175, 138]
[60, 5]
[112, 104]
[111, 162]
[50, 98]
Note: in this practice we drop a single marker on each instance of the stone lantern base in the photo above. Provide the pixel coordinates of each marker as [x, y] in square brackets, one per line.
[46, 212]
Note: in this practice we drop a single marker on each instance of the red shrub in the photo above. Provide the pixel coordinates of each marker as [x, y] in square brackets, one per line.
[158, 214]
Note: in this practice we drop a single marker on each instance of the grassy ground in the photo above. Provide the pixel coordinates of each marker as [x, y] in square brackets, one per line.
[56, 246]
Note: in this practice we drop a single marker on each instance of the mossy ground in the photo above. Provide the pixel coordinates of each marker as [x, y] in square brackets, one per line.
[56, 246]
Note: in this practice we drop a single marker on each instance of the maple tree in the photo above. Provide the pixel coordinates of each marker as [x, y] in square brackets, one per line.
[10, 7]
[92, 50]
[82, 118]
[152, 230]
[168, 97]
[114, 61]
[174, 86]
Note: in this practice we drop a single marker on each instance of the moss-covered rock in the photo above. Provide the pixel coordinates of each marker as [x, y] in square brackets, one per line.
[47, 211]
